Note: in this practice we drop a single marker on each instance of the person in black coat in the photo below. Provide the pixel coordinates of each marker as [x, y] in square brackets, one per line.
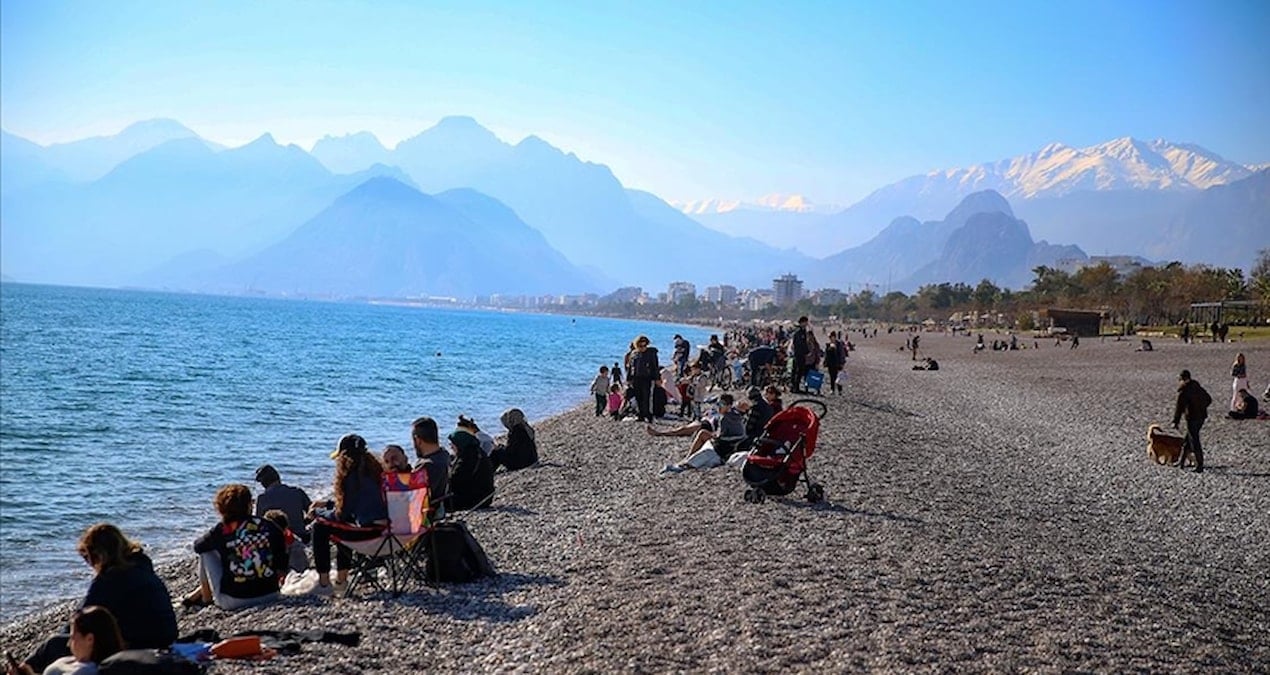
[126, 585]
[521, 449]
[642, 375]
[471, 473]
[801, 347]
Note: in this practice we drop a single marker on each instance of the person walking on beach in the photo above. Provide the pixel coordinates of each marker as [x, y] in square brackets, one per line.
[835, 358]
[916, 340]
[600, 390]
[1193, 402]
[1239, 371]
[802, 348]
[642, 374]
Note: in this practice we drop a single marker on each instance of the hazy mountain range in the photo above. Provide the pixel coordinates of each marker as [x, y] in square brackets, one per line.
[1114, 197]
[456, 211]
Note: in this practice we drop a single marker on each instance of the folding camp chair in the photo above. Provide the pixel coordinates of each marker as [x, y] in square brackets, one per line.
[406, 495]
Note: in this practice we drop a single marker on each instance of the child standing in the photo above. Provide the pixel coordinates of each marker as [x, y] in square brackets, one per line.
[600, 388]
[617, 373]
[615, 400]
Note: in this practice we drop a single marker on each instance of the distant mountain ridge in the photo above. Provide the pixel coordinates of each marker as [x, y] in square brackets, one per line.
[386, 239]
[186, 203]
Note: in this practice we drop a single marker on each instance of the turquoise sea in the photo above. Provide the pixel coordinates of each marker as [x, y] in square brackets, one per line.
[134, 407]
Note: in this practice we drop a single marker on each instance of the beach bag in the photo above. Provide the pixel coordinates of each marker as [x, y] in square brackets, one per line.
[146, 662]
[455, 556]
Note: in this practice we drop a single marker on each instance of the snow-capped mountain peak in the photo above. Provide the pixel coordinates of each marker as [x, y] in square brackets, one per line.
[790, 203]
[1119, 164]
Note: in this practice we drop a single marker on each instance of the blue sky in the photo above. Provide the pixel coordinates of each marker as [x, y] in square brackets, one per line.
[687, 99]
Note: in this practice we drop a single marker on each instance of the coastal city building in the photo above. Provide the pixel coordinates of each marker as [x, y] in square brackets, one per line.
[787, 289]
[680, 291]
[721, 295]
[826, 297]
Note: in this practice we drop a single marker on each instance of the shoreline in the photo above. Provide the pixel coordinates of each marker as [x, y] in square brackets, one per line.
[972, 522]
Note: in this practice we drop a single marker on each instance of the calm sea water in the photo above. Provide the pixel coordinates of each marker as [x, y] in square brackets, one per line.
[134, 407]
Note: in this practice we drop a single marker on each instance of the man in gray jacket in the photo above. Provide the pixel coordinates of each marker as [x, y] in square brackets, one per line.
[290, 500]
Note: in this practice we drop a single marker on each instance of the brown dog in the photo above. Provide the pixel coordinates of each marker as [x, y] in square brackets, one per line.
[1165, 448]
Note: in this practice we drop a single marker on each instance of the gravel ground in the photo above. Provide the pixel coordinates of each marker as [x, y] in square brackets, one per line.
[999, 514]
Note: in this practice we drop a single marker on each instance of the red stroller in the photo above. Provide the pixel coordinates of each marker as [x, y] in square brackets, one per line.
[778, 458]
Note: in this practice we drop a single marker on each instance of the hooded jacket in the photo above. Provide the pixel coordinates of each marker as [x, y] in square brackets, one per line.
[471, 474]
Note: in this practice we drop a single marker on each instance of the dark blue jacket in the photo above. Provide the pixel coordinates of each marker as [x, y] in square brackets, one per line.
[139, 601]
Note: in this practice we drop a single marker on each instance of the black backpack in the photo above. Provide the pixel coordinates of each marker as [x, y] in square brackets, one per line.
[454, 555]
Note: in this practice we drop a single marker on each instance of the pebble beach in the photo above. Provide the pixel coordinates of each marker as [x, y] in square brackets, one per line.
[999, 514]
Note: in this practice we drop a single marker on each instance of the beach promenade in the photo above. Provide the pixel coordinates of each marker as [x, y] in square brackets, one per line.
[999, 514]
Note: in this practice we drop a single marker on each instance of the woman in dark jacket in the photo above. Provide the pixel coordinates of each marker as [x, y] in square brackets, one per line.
[642, 374]
[471, 474]
[126, 585]
[521, 449]
[835, 359]
[358, 512]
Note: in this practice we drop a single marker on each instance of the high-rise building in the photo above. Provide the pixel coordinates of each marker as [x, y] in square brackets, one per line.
[827, 297]
[786, 290]
[721, 295]
[680, 291]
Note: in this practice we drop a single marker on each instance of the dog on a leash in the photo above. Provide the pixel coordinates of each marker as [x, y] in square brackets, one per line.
[1165, 448]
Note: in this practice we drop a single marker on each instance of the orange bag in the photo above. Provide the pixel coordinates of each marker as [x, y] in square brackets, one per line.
[245, 647]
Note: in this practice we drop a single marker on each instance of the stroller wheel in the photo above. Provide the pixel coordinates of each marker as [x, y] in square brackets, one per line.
[816, 493]
[749, 495]
[759, 495]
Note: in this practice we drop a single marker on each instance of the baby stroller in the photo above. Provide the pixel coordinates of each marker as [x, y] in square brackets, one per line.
[778, 458]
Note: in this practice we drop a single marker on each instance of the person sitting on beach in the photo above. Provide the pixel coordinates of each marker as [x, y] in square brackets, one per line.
[701, 452]
[979, 344]
[772, 395]
[280, 520]
[124, 584]
[426, 439]
[1245, 406]
[469, 425]
[471, 473]
[927, 364]
[521, 449]
[1146, 346]
[394, 459]
[358, 512]
[292, 501]
[94, 637]
[660, 399]
[242, 558]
